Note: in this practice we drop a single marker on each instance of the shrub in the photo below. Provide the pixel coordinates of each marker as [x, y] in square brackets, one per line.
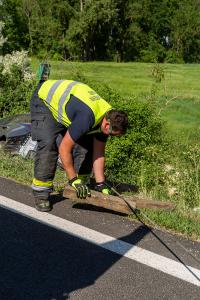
[137, 157]
[17, 83]
[129, 157]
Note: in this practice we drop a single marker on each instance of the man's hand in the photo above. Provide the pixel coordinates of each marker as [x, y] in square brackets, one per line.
[82, 190]
[103, 188]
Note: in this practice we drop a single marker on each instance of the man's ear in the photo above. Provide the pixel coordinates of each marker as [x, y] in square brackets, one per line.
[107, 124]
[108, 127]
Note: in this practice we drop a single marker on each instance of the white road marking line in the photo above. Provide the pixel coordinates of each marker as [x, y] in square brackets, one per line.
[148, 258]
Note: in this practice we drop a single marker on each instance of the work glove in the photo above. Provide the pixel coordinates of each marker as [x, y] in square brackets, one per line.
[81, 189]
[103, 188]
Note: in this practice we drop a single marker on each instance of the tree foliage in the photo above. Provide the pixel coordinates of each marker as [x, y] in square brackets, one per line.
[120, 30]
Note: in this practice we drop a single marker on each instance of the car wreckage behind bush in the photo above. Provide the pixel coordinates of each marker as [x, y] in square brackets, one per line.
[15, 135]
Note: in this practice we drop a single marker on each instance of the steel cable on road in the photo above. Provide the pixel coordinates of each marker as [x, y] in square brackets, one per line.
[136, 210]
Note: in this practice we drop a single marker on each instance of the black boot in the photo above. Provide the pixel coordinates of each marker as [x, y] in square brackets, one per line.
[42, 202]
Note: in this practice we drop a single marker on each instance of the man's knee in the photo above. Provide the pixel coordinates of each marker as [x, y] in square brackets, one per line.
[38, 131]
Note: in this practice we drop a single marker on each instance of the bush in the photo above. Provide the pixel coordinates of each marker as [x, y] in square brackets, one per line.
[16, 83]
[138, 156]
[129, 157]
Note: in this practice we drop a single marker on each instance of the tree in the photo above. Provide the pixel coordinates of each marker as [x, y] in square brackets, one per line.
[15, 29]
[185, 31]
[47, 27]
[120, 30]
[90, 29]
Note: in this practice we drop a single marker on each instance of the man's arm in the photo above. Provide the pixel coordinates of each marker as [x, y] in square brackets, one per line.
[65, 151]
[99, 160]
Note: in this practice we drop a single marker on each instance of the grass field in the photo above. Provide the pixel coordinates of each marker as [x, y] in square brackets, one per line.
[133, 78]
[178, 93]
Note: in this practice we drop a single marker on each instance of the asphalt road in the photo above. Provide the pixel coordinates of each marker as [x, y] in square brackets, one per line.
[39, 262]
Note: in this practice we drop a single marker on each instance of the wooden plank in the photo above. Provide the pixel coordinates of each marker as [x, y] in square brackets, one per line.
[98, 199]
[115, 203]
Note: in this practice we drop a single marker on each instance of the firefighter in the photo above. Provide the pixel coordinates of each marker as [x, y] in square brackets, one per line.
[71, 120]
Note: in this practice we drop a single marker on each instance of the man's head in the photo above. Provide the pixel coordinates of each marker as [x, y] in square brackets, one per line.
[114, 123]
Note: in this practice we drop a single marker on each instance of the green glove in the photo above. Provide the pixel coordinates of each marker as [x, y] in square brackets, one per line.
[81, 189]
[103, 188]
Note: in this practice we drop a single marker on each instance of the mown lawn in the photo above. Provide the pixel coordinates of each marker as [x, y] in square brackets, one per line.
[133, 78]
[178, 93]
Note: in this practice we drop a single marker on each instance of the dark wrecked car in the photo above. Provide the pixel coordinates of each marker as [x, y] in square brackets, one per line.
[15, 135]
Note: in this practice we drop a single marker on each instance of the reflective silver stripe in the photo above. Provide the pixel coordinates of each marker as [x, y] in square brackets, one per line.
[41, 188]
[63, 98]
[52, 91]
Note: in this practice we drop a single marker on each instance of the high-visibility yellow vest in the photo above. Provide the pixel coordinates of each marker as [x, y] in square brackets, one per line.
[56, 94]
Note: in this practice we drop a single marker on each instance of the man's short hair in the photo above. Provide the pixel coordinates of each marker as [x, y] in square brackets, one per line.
[118, 120]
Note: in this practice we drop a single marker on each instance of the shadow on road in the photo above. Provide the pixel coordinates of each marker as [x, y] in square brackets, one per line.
[39, 262]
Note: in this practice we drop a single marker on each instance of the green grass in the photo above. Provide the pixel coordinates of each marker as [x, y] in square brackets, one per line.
[21, 170]
[188, 224]
[180, 81]
[133, 78]
[126, 78]
[182, 118]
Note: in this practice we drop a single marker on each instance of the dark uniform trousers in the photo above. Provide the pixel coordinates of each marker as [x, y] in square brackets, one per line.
[48, 133]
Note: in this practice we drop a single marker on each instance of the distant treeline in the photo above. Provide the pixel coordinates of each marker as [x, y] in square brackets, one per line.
[116, 30]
